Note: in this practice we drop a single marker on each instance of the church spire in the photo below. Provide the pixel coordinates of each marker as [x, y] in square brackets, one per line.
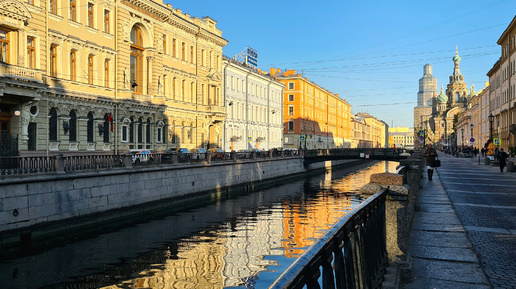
[456, 77]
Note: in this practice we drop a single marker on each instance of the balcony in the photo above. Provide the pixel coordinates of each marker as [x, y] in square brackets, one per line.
[20, 73]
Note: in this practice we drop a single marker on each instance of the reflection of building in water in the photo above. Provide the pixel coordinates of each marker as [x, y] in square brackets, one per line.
[219, 259]
[308, 221]
[247, 244]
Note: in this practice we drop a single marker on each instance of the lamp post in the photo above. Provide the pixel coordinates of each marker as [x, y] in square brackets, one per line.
[471, 130]
[491, 119]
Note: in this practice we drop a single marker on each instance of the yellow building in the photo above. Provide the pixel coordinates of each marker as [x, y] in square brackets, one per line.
[314, 118]
[89, 76]
[401, 137]
[376, 135]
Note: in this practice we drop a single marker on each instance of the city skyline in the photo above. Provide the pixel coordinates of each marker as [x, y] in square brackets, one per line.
[372, 57]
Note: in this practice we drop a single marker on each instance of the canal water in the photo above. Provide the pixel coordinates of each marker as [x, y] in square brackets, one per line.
[245, 241]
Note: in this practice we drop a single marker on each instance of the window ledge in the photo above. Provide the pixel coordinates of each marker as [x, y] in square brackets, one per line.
[55, 16]
[92, 30]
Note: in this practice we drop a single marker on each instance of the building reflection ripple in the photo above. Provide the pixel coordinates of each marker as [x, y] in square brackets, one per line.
[241, 242]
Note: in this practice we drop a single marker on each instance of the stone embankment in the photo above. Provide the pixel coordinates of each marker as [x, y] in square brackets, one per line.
[33, 207]
[401, 203]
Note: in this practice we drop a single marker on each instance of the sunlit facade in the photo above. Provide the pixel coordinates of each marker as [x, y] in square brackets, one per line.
[313, 117]
[254, 108]
[401, 137]
[104, 77]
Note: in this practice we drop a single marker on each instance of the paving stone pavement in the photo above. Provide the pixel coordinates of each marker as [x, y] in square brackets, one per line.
[464, 236]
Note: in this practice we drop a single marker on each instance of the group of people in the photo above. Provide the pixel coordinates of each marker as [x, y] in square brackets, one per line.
[430, 155]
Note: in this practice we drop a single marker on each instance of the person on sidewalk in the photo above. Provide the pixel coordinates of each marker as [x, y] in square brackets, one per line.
[430, 154]
[502, 159]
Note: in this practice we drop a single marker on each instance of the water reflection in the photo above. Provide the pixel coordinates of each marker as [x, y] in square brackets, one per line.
[243, 242]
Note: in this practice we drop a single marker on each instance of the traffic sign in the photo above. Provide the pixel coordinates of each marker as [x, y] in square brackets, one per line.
[471, 140]
[497, 142]
[301, 138]
[421, 132]
[249, 138]
[421, 138]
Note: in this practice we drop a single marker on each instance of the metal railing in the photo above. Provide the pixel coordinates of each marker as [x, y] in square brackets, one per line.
[352, 254]
[26, 165]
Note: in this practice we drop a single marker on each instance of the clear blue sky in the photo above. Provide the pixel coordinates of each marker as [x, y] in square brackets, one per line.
[371, 53]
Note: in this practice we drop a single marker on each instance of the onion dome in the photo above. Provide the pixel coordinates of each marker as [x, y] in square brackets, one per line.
[442, 98]
[456, 57]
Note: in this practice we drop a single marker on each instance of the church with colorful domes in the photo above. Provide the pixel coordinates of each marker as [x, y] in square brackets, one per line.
[435, 111]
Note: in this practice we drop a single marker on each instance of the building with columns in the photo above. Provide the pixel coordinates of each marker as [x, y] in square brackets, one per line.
[107, 77]
[254, 104]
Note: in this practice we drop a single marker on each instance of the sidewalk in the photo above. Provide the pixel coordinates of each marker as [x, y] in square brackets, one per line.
[464, 235]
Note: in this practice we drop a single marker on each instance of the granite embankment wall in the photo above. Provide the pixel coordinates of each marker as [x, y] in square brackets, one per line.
[31, 202]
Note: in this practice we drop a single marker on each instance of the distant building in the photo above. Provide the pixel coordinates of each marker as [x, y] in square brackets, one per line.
[254, 103]
[437, 120]
[401, 137]
[314, 118]
[376, 131]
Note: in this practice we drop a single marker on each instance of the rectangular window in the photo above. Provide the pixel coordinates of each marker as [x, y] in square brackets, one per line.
[106, 21]
[73, 11]
[31, 52]
[53, 6]
[174, 47]
[125, 133]
[290, 110]
[192, 54]
[183, 51]
[31, 2]
[106, 73]
[73, 66]
[90, 15]
[291, 125]
[53, 60]
[164, 43]
[290, 97]
[203, 58]
[90, 69]
[290, 85]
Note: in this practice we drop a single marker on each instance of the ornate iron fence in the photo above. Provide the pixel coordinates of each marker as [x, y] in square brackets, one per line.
[352, 254]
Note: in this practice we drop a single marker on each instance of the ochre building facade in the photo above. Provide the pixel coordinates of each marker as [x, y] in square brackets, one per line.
[108, 76]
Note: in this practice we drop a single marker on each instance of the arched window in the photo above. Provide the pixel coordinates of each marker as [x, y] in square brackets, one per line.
[90, 127]
[192, 92]
[107, 126]
[457, 97]
[148, 132]
[52, 125]
[140, 131]
[136, 61]
[131, 130]
[73, 126]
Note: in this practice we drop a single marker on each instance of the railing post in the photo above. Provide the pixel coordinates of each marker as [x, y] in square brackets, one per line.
[175, 158]
[270, 154]
[128, 160]
[253, 154]
[233, 156]
[60, 163]
[208, 157]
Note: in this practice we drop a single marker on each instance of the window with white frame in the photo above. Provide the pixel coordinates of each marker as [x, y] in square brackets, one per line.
[290, 97]
[125, 129]
[290, 85]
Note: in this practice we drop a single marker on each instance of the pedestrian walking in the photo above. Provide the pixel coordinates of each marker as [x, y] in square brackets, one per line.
[502, 159]
[430, 155]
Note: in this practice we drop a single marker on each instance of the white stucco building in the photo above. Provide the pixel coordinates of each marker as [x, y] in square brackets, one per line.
[253, 103]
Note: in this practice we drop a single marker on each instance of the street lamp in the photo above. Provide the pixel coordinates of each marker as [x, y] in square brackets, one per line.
[471, 129]
[491, 119]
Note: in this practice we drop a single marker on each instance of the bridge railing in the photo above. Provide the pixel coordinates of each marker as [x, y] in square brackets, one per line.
[352, 254]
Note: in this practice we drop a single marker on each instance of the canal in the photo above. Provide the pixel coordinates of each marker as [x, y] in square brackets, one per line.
[243, 241]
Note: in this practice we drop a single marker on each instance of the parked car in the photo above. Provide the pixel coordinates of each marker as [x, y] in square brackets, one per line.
[243, 154]
[216, 153]
[141, 156]
[198, 154]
